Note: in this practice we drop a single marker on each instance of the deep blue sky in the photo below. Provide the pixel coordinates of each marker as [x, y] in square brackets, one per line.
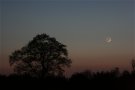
[82, 25]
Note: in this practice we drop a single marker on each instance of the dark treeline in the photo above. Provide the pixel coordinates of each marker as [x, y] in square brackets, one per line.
[109, 80]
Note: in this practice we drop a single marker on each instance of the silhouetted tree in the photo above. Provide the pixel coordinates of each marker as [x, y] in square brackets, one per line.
[133, 64]
[42, 56]
[125, 74]
[115, 72]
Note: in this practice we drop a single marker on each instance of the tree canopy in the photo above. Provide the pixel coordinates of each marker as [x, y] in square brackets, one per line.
[42, 56]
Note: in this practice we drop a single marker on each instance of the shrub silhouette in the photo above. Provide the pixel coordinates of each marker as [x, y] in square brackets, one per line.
[41, 57]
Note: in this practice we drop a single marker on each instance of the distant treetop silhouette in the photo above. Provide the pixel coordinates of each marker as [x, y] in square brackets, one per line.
[133, 64]
[41, 57]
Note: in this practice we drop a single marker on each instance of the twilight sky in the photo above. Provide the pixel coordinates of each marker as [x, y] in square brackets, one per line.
[81, 25]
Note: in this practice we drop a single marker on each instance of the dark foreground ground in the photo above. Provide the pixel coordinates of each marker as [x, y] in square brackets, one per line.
[81, 81]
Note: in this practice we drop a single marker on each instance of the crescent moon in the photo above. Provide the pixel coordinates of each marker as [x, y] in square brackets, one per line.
[108, 39]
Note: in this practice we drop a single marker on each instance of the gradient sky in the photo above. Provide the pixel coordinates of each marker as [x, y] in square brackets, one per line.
[81, 25]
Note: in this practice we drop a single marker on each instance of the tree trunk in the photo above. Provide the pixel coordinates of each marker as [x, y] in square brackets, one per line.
[44, 68]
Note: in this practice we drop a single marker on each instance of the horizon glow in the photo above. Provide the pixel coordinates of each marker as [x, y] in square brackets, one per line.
[81, 25]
